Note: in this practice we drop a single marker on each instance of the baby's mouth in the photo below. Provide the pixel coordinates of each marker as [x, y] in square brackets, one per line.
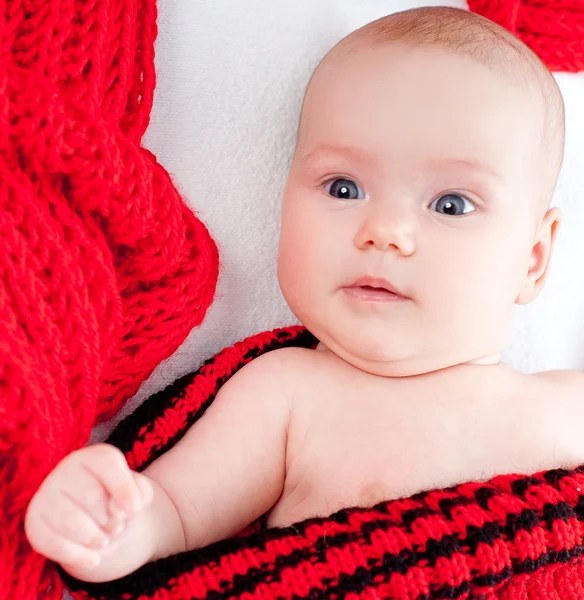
[370, 293]
[369, 289]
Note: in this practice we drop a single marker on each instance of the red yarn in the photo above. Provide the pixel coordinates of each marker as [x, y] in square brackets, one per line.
[103, 269]
[553, 29]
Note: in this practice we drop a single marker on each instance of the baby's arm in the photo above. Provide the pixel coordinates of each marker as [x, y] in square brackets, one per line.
[227, 470]
[230, 467]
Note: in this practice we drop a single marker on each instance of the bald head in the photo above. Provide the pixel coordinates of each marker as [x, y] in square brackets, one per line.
[483, 41]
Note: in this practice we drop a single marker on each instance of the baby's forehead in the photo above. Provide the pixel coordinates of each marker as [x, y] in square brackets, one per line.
[447, 31]
[399, 84]
[502, 59]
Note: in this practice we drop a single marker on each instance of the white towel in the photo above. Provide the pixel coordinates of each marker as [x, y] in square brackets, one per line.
[231, 76]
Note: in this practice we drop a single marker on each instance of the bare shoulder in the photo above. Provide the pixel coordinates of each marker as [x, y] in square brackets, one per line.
[270, 377]
[277, 363]
[561, 395]
[558, 391]
[565, 377]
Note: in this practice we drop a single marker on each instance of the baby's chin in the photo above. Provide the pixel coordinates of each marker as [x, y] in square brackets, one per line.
[388, 363]
[384, 364]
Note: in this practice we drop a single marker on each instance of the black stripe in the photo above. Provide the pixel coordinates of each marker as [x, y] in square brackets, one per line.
[303, 339]
[127, 431]
[484, 494]
[554, 476]
[520, 486]
[447, 504]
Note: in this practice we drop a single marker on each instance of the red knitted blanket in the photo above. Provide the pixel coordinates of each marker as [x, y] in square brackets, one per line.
[103, 269]
[513, 537]
[553, 29]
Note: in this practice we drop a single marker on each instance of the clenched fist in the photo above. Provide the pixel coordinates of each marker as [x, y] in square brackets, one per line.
[81, 513]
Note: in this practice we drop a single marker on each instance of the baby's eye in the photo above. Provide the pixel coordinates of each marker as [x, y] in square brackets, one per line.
[344, 189]
[452, 205]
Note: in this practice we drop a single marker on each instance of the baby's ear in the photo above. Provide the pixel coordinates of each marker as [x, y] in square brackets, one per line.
[540, 256]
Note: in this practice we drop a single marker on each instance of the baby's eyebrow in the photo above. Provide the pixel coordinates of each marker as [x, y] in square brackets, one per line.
[472, 165]
[342, 150]
[466, 164]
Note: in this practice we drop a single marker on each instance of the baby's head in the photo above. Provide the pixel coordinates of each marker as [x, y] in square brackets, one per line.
[428, 150]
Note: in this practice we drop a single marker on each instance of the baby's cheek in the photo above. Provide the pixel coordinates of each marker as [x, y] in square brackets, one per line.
[301, 241]
[292, 268]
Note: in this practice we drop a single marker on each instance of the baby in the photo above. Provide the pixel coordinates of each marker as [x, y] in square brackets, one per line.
[416, 215]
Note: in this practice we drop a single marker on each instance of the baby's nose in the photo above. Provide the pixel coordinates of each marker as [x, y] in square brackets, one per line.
[387, 232]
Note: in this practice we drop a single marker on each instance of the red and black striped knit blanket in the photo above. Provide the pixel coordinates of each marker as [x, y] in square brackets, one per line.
[513, 537]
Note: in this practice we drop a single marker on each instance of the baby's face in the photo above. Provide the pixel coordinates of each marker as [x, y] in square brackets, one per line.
[417, 167]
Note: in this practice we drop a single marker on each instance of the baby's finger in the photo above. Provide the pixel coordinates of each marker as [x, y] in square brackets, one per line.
[90, 494]
[70, 521]
[64, 551]
[119, 518]
[145, 486]
[109, 466]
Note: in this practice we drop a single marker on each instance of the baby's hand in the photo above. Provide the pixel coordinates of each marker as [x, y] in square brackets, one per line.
[83, 505]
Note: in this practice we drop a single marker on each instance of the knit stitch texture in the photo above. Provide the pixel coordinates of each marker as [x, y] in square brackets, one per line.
[103, 269]
[553, 29]
[511, 538]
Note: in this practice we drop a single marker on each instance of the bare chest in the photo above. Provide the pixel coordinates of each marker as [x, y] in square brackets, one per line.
[375, 440]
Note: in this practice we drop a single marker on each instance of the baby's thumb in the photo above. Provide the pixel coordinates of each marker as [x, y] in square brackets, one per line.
[145, 487]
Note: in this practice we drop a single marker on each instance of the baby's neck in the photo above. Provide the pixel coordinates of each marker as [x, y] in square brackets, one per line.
[492, 359]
